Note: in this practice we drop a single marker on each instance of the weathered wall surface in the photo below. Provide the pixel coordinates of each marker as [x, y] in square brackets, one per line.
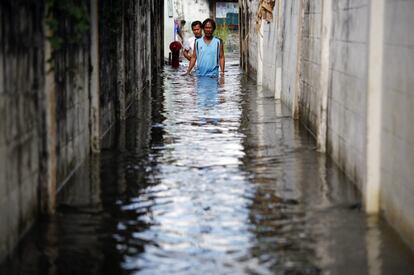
[274, 49]
[323, 52]
[21, 82]
[310, 69]
[269, 54]
[48, 122]
[397, 137]
[289, 49]
[348, 87]
[195, 10]
[128, 33]
[71, 75]
[111, 53]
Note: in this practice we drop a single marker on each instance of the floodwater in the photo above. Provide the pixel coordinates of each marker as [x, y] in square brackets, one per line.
[211, 176]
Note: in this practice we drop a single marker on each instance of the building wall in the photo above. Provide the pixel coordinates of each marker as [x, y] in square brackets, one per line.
[168, 26]
[46, 96]
[347, 94]
[397, 134]
[289, 49]
[269, 54]
[310, 69]
[110, 45]
[71, 77]
[21, 83]
[322, 50]
[249, 37]
[194, 10]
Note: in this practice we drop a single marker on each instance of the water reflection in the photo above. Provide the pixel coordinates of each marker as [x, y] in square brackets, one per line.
[210, 176]
[207, 93]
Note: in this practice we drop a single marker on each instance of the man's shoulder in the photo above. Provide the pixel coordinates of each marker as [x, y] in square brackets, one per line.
[218, 39]
[191, 40]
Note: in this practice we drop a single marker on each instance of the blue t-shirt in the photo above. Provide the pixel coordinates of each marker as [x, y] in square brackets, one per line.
[208, 57]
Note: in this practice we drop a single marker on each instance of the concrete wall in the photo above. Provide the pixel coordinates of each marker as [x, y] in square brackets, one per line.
[21, 83]
[347, 93]
[55, 98]
[128, 58]
[310, 66]
[345, 70]
[273, 52]
[397, 131]
[289, 50]
[249, 39]
[195, 10]
[168, 26]
[269, 54]
[110, 45]
[71, 77]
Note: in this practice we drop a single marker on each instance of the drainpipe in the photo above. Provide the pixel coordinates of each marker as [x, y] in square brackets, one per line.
[374, 113]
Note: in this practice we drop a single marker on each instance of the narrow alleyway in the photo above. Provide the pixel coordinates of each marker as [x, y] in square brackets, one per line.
[210, 177]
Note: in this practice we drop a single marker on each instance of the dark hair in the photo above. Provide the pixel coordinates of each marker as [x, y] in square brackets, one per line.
[211, 21]
[195, 23]
[182, 22]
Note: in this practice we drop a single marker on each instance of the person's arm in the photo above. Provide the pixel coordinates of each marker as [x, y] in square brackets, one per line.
[187, 54]
[222, 61]
[186, 49]
[193, 60]
[180, 34]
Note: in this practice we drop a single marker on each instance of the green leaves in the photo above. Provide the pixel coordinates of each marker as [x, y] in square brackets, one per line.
[222, 31]
[68, 22]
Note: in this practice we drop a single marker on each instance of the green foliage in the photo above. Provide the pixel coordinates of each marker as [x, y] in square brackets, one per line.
[222, 31]
[68, 22]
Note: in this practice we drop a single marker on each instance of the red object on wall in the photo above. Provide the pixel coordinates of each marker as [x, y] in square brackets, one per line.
[175, 48]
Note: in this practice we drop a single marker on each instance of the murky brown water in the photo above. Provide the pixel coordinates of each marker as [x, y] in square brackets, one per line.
[210, 177]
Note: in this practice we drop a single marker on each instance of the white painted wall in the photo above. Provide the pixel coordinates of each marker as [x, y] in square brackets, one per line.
[289, 50]
[168, 26]
[194, 10]
[310, 66]
[329, 62]
[397, 133]
[189, 10]
[346, 133]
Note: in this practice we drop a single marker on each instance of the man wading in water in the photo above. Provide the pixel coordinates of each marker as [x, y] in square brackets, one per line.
[197, 28]
[208, 52]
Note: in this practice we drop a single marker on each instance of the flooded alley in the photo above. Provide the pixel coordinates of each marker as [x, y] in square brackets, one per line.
[211, 176]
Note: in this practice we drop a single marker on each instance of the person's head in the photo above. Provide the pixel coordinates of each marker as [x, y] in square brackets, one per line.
[182, 23]
[196, 27]
[209, 26]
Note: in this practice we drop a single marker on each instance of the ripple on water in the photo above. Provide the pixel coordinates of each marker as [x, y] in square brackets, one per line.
[219, 179]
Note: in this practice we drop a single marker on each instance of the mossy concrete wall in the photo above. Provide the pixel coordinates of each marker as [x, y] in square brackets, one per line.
[47, 94]
[21, 109]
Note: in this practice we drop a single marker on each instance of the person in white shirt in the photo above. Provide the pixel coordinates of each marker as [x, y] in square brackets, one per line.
[188, 46]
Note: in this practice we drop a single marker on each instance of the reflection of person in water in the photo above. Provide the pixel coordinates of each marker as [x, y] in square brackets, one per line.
[209, 93]
[207, 90]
